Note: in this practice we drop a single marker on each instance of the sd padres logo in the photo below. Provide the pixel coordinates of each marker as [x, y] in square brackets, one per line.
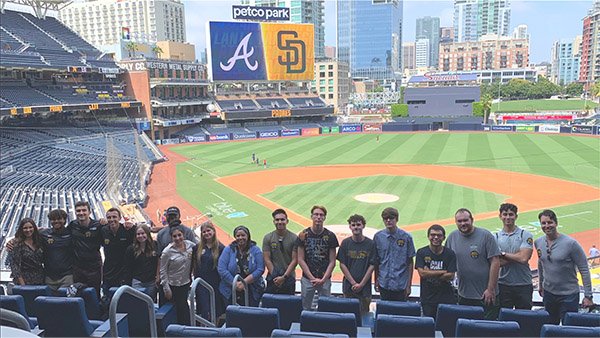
[295, 52]
[400, 242]
[474, 254]
[529, 240]
[427, 259]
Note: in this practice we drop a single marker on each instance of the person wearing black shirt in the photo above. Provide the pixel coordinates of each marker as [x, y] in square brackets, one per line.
[436, 265]
[87, 239]
[141, 262]
[116, 238]
[58, 256]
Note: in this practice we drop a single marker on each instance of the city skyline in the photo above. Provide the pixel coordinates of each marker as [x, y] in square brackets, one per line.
[543, 29]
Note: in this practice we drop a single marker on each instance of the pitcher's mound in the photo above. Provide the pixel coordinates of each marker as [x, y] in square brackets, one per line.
[376, 198]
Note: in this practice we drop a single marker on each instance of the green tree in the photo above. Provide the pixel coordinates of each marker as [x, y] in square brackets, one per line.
[399, 110]
[595, 89]
[574, 89]
[157, 50]
[131, 47]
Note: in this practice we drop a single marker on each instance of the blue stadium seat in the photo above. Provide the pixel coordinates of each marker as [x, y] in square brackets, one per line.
[253, 321]
[90, 298]
[301, 334]
[582, 319]
[17, 304]
[530, 321]
[66, 317]
[290, 307]
[448, 314]
[550, 330]
[389, 307]
[341, 305]
[486, 328]
[30, 293]
[404, 326]
[176, 330]
[328, 322]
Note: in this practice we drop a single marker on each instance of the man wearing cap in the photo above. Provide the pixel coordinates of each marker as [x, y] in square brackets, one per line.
[164, 235]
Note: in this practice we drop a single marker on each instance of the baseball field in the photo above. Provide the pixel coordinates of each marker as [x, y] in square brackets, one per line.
[427, 176]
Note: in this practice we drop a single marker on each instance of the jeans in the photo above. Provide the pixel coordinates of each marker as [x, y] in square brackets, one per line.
[516, 296]
[490, 312]
[558, 305]
[91, 276]
[308, 292]
[148, 288]
[180, 297]
[398, 295]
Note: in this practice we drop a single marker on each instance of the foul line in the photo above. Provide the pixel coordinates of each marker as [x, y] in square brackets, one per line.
[206, 171]
[577, 214]
[217, 196]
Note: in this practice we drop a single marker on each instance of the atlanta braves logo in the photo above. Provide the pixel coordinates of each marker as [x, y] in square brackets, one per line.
[241, 53]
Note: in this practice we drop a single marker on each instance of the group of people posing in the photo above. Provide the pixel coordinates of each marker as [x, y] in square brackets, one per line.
[491, 270]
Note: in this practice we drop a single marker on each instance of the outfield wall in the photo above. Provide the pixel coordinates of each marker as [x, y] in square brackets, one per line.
[374, 128]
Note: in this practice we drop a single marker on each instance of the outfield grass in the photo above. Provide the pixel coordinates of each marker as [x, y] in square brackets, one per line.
[565, 157]
[542, 105]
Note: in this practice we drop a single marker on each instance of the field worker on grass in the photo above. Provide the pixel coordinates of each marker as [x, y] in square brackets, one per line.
[280, 252]
[357, 256]
[395, 251]
[558, 257]
[516, 247]
[316, 256]
[478, 264]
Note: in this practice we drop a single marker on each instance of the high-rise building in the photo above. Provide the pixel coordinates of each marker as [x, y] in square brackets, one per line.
[446, 34]
[107, 22]
[332, 82]
[304, 11]
[589, 66]
[490, 52]
[475, 18]
[408, 55]
[565, 61]
[429, 28]
[422, 53]
[520, 32]
[330, 52]
[369, 37]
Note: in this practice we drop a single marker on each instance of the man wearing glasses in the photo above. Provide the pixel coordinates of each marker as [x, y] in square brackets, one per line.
[436, 266]
[280, 252]
[478, 264]
[395, 249]
[558, 256]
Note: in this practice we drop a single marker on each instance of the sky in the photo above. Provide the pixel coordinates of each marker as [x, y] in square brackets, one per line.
[548, 21]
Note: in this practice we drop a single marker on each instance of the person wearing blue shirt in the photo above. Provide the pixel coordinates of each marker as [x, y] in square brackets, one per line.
[395, 249]
[242, 257]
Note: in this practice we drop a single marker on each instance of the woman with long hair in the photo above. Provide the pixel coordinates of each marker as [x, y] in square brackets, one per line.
[141, 261]
[242, 257]
[176, 272]
[27, 264]
[205, 261]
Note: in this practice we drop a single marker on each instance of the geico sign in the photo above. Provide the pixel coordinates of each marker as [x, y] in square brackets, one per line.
[269, 134]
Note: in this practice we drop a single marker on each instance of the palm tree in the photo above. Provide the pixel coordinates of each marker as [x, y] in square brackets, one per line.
[486, 103]
[157, 50]
[131, 47]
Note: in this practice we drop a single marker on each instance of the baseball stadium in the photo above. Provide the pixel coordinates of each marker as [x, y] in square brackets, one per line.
[229, 141]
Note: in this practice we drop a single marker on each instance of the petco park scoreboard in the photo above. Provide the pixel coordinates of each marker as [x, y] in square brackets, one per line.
[260, 51]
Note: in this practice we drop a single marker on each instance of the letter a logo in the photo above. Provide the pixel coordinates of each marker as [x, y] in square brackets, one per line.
[243, 45]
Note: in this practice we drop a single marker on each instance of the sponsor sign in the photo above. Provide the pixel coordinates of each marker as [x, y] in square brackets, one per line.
[325, 130]
[582, 130]
[170, 141]
[281, 113]
[553, 117]
[372, 128]
[335, 129]
[144, 65]
[310, 131]
[144, 125]
[268, 134]
[549, 128]
[502, 128]
[237, 136]
[351, 128]
[525, 128]
[487, 128]
[260, 13]
[239, 50]
[290, 132]
[443, 77]
[195, 138]
[218, 137]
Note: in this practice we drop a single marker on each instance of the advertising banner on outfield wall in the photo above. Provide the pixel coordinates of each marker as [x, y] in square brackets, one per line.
[268, 134]
[310, 131]
[567, 117]
[589, 130]
[502, 128]
[525, 128]
[219, 137]
[549, 128]
[195, 138]
[351, 128]
[290, 132]
[243, 136]
[170, 141]
[325, 130]
[372, 128]
[335, 129]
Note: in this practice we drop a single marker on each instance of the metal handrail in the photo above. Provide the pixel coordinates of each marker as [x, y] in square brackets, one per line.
[112, 312]
[234, 291]
[194, 318]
